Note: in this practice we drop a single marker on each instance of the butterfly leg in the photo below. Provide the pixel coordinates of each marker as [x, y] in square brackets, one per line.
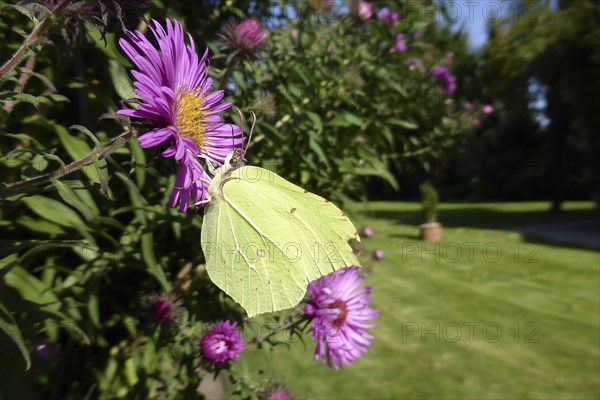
[212, 168]
[198, 203]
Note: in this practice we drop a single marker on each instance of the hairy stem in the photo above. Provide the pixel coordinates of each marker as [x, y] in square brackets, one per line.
[74, 166]
[262, 338]
[35, 34]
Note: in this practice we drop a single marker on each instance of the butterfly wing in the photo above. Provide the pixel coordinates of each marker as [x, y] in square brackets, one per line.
[265, 239]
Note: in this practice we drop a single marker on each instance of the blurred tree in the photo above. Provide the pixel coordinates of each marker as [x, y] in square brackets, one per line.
[555, 46]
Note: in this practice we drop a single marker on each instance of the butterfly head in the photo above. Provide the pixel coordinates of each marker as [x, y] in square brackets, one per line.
[235, 159]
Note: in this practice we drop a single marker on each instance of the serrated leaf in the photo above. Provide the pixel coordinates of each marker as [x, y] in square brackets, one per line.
[69, 196]
[22, 10]
[30, 99]
[9, 326]
[86, 132]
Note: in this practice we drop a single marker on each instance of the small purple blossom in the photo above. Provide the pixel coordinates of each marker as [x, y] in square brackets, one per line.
[245, 39]
[378, 254]
[275, 391]
[468, 106]
[400, 45]
[366, 231]
[174, 85]
[161, 310]
[249, 34]
[222, 342]
[47, 350]
[445, 78]
[414, 63]
[340, 316]
[364, 10]
[165, 307]
[488, 109]
[476, 123]
[417, 35]
[388, 16]
[280, 395]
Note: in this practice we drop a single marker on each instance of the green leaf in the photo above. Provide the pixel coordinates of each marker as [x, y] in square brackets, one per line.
[40, 226]
[69, 196]
[139, 161]
[353, 119]
[24, 137]
[317, 149]
[316, 119]
[147, 239]
[54, 211]
[121, 81]
[403, 123]
[9, 326]
[35, 291]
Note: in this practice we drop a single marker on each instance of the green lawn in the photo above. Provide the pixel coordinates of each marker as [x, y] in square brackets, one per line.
[471, 325]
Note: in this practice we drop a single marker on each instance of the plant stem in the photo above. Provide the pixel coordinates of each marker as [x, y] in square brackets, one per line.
[262, 338]
[68, 169]
[227, 72]
[35, 34]
[25, 75]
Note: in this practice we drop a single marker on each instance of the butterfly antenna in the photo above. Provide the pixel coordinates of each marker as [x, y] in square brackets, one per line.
[251, 130]
[242, 121]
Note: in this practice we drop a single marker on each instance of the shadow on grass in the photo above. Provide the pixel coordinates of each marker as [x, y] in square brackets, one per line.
[531, 220]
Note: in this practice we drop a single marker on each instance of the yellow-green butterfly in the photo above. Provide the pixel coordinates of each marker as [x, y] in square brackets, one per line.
[265, 239]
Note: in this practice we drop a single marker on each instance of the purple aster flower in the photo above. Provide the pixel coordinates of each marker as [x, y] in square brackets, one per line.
[222, 342]
[388, 16]
[173, 85]
[378, 254]
[488, 109]
[446, 79]
[340, 316]
[400, 44]
[245, 38]
[414, 63]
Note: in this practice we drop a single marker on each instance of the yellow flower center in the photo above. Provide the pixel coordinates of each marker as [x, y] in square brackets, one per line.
[191, 119]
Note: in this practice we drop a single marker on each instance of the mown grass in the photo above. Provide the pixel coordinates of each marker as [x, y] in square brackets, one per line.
[484, 314]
